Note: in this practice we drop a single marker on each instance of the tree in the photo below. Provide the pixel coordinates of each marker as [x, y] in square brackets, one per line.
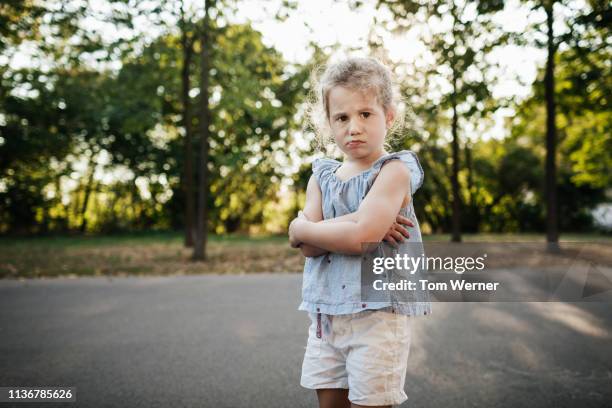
[199, 251]
[458, 35]
[583, 122]
[552, 219]
[595, 13]
[207, 34]
[187, 41]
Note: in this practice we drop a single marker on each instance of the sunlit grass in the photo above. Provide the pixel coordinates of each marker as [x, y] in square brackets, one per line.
[130, 238]
[163, 253]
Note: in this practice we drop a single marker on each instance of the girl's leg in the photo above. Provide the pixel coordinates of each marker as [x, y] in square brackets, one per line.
[333, 398]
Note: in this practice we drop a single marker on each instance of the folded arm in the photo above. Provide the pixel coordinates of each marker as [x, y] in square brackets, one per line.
[311, 250]
[370, 223]
[313, 211]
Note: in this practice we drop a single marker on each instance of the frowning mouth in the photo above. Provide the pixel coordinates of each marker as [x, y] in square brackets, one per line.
[355, 143]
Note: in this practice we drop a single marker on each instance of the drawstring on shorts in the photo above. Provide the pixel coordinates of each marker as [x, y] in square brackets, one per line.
[324, 325]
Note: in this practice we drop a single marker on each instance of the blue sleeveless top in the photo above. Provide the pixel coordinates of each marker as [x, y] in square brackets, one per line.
[332, 282]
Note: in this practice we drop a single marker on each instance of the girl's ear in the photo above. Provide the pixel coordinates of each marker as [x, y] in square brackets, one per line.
[389, 118]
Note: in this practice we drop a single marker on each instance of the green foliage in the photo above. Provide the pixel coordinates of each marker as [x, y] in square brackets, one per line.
[46, 118]
[585, 130]
[249, 127]
[128, 122]
[19, 21]
[68, 121]
[584, 87]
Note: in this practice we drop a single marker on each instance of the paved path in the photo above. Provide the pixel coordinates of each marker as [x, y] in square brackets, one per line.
[238, 341]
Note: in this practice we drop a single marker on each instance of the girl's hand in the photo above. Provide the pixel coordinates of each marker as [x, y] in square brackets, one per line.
[293, 241]
[397, 232]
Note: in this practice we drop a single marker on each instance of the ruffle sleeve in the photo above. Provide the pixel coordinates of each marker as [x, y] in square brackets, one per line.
[410, 159]
[323, 170]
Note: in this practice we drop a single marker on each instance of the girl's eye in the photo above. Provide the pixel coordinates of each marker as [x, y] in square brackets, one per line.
[343, 118]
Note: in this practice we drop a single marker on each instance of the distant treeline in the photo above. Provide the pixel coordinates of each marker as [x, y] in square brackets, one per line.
[95, 137]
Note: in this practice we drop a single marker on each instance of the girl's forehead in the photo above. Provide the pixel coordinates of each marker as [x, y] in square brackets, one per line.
[341, 97]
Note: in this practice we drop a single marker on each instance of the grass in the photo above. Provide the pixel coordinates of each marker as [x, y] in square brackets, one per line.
[163, 253]
[142, 254]
[126, 239]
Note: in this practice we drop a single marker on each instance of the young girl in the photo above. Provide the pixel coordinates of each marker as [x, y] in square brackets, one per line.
[357, 351]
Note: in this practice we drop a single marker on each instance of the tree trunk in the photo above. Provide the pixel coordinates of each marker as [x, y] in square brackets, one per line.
[117, 194]
[199, 252]
[44, 224]
[456, 220]
[62, 219]
[134, 204]
[552, 228]
[474, 209]
[187, 46]
[470, 173]
[88, 188]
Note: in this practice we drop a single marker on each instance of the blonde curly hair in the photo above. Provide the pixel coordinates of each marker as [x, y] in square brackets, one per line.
[358, 74]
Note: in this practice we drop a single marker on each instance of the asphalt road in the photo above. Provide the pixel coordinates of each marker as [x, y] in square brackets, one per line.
[238, 341]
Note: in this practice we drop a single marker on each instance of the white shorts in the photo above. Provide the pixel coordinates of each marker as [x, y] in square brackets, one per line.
[366, 352]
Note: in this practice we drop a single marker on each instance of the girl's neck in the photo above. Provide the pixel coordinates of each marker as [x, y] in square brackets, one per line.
[363, 163]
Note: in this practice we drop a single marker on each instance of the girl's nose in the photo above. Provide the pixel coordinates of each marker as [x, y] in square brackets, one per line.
[354, 128]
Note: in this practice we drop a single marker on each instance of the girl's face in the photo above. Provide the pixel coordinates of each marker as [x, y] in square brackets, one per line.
[358, 122]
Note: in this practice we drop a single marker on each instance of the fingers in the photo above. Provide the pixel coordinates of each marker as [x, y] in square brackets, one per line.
[389, 238]
[400, 219]
[394, 238]
[398, 233]
[397, 236]
[401, 230]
